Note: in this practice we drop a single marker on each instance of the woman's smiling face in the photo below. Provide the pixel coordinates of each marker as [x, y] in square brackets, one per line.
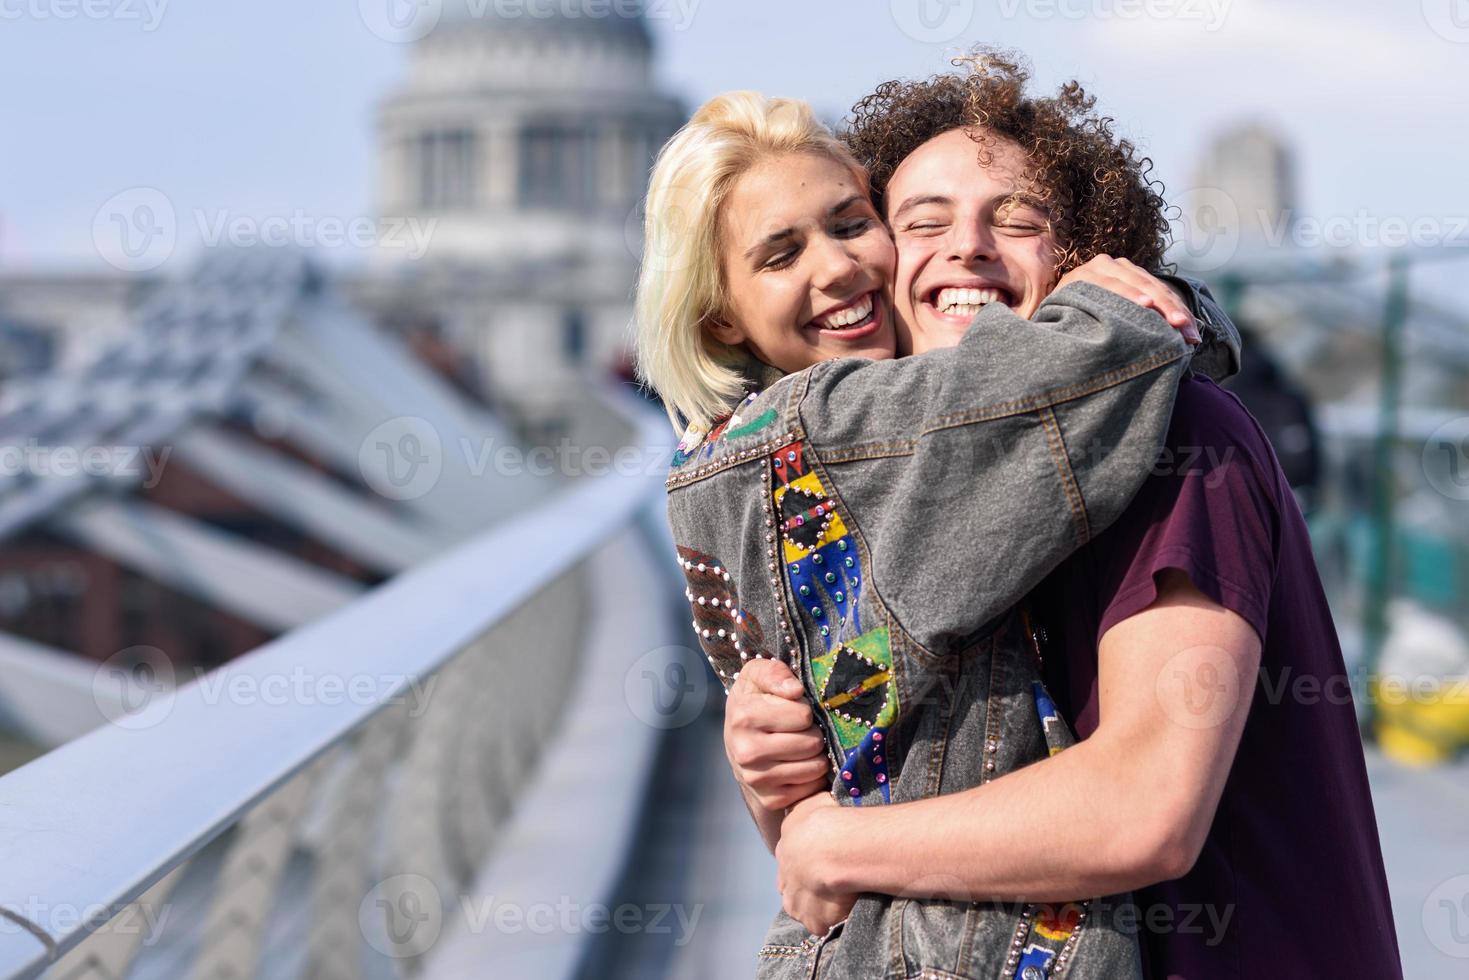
[967, 233]
[807, 265]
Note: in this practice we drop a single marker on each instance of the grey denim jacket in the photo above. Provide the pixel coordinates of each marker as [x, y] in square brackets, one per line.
[874, 524]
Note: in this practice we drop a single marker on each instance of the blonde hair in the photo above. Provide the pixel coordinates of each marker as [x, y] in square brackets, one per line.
[681, 283]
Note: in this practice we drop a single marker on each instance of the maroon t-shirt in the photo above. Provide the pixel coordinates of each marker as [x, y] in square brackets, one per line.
[1290, 881]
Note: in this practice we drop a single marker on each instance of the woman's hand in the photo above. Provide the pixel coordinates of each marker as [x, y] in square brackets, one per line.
[1143, 288]
[805, 859]
[772, 744]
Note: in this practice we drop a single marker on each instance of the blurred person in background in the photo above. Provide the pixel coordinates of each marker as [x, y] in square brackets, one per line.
[1283, 410]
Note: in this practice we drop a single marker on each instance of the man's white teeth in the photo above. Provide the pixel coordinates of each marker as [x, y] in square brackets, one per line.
[845, 317]
[965, 302]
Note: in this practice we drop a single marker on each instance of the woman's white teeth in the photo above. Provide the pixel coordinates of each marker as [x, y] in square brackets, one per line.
[848, 315]
[965, 302]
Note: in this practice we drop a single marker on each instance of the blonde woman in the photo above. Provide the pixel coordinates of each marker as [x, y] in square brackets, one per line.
[859, 527]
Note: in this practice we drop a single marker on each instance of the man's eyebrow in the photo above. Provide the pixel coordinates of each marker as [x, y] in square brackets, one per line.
[776, 237]
[921, 199]
[1027, 199]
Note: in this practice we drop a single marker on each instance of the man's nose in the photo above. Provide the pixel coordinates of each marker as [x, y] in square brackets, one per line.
[972, 242]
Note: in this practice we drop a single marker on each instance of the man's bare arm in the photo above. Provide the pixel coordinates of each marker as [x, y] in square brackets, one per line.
[1127, 807]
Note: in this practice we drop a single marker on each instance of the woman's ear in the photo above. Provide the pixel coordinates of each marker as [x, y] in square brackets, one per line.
[726, 333]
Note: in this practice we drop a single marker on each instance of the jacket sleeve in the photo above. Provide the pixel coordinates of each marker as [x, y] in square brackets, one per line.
[971, 472]
[1218, 357]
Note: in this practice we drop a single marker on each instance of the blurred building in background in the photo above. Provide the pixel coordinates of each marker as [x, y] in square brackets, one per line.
[1253, 165]
[526, 141]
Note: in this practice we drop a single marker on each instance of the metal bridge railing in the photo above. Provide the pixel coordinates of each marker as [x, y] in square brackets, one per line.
[425, 703]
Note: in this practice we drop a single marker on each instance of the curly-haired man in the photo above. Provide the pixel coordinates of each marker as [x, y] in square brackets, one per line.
[1220, 776]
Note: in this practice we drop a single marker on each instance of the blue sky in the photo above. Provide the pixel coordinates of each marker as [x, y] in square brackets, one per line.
[265, 107]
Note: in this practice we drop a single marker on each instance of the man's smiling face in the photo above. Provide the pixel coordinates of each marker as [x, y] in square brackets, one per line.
[967, 234]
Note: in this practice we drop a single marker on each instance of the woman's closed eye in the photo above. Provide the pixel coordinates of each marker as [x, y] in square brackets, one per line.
[781, 259]
[852, 227]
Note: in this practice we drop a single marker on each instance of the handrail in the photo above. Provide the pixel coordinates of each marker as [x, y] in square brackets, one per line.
[96, 822]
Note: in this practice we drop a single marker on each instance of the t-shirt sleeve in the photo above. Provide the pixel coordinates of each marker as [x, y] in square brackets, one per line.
[1210, 510]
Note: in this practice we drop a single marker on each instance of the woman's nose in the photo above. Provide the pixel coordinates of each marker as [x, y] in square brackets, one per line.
[838, 265]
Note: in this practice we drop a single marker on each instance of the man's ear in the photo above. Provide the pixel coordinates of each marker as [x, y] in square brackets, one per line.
[725, 333]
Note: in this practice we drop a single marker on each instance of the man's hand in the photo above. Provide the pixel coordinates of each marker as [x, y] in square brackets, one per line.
[805, 859]
[1143, 288]
[774, 748]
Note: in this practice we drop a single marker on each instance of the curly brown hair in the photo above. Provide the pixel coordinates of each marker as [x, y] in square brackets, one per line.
[1095, 185]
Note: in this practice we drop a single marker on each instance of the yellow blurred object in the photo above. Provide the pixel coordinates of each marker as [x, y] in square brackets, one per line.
[1422, 728]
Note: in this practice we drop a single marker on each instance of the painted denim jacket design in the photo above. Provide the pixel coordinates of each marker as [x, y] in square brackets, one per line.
[874, 524]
